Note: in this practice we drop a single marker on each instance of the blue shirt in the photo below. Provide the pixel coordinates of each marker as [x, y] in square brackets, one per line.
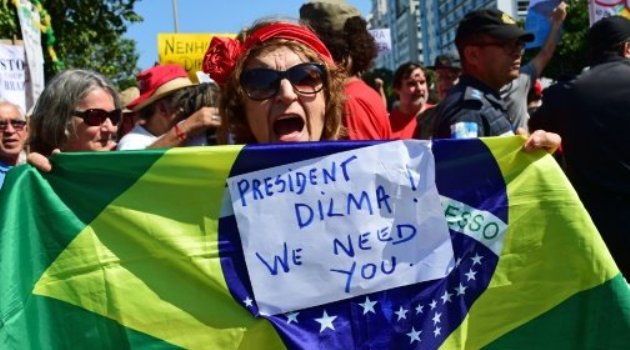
[4, 169]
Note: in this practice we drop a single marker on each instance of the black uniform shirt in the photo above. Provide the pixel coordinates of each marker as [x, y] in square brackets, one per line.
[471, 109]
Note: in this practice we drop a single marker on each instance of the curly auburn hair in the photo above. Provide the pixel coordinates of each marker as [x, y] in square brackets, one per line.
[232, 107]
[353, 42]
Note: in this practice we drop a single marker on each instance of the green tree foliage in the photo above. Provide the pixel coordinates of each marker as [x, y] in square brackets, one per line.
[89, 35]
[570, 56]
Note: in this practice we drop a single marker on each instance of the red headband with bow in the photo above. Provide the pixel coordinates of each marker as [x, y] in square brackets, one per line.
[221, 57]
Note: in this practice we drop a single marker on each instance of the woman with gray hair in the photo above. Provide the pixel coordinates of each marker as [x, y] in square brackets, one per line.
[79, 110]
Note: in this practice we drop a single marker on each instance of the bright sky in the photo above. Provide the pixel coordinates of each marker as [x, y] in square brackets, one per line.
[207, 16]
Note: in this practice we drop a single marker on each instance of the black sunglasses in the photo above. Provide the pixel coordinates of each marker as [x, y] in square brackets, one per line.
[262, 83]
[18, 125]
[97, 116]
[509, 47]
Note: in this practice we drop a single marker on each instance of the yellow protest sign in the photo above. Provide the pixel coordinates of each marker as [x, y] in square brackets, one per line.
[185, 49]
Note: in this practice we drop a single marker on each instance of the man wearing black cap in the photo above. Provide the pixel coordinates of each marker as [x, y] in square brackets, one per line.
[592, 114]
[490, 46]
[447, 69]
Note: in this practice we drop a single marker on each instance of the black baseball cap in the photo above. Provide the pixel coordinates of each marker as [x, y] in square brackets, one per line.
[446, 61]
[491, 22]
[606, 33]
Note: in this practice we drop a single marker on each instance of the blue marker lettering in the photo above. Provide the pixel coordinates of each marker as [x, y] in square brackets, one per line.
[282, 261]
[268, 186]
[298, 215]
[349, 250]
[405, 236]
[331, 207]
[363, 241]
[280, 182]
[256, 189]
[330, 175]
[343, 167]
[370, 275]
[243, 186]
[382, 197]
[300, 182]
[358, 204]
[383, 235]
[349, 273]
[312, 176]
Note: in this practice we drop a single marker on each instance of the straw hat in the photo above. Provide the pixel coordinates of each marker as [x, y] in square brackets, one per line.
[128, 95]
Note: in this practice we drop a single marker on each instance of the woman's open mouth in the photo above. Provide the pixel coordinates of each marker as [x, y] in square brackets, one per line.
[288, 128]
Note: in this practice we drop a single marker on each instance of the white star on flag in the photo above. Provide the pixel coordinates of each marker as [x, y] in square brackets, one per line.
[461, 290]
[248, 302]
[436, 318]
[446, 297]
[470, 275]
[433, 304]
[292, 317]
[437, 331]
[326, 322]
[414, 335]
[419, 309]
[402, 313]
[458, 261]
[476, 259]
[368, 306]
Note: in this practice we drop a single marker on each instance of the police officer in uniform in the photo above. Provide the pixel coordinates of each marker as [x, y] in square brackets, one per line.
[490, 45]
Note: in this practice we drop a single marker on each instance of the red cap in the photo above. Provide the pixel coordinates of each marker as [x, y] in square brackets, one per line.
[157, 82]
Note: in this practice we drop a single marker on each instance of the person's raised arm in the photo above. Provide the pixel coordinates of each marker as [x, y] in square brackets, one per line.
[543, 57]
[200, 121]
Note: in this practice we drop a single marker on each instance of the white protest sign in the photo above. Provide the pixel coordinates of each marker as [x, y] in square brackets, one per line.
[12, 75]
[383, 39]
[31, 35]
[335, 227]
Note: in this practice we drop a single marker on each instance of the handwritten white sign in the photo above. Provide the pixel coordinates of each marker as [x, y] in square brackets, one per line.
[12, 75]
[383, 39]
[335, 227]
[31, 35]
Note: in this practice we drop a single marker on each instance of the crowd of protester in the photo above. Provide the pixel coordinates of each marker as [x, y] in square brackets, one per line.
[292, 81]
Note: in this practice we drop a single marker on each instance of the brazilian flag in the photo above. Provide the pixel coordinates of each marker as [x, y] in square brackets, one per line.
[141, 249]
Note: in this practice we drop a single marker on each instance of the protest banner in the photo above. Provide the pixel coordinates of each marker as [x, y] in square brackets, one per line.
[185, 49]
[383, 39]
[153, 252]
[598, 9]
[31, 35]
[12, 75]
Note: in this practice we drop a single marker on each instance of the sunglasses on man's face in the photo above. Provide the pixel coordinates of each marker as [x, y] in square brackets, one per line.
[262, 83]
[509, 47]
[17, 124]
[97, 116]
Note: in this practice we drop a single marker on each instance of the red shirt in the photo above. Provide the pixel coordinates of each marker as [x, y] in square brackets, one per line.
[404, 125]
[365, 116]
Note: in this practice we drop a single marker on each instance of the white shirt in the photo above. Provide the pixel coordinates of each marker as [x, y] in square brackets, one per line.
[137, 138]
